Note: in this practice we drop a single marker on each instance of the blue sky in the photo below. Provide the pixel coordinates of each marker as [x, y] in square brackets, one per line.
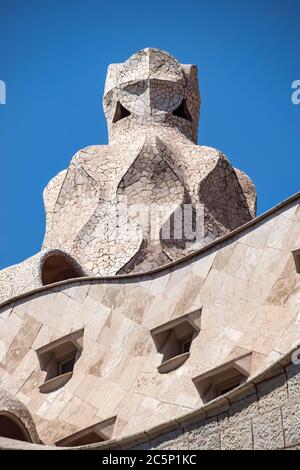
[53, 58]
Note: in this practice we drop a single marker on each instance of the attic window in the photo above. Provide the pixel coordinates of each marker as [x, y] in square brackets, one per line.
[120, 112]
[182, 111]
[224, 378]
[173, 339]
[58, 360]
[99, 432]
[296, 255]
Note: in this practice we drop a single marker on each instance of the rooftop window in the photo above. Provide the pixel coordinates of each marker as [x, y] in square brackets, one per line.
[58, 360]
[222, 379]
[174, 338]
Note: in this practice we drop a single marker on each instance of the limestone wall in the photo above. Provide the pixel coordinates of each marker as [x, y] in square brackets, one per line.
[266, 416]
[262, 414]
[246, 287]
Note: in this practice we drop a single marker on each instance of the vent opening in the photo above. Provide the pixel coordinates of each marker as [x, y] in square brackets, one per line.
[120, 112]
[58, 360]
[57, 268]
[182, 111]
[222, 379]
[12, 429]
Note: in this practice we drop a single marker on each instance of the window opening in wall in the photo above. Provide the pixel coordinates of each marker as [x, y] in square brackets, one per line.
[174, 339]
[222, 379]
[12, 428]
[120, 113]
[58, 360]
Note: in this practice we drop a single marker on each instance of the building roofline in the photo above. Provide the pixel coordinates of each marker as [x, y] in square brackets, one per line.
[164, 267]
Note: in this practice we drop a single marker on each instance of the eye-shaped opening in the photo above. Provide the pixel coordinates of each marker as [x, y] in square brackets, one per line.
[182, 111]
[120, 112]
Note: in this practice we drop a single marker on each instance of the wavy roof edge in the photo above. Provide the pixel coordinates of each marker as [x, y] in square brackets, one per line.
[164, 267]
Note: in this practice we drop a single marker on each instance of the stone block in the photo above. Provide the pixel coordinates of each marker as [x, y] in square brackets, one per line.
[268, 431]
[272, 393]
[237, 436]
[291, 423]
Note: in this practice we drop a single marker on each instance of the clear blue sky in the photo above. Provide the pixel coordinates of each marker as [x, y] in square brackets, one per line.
[53, 58]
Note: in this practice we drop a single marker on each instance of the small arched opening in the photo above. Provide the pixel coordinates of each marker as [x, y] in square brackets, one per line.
[12, 428]
[57, 267]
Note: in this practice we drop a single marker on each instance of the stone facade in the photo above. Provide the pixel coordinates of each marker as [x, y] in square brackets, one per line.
[245, 285]
[175, 329]
[263, 414]
[260, 416]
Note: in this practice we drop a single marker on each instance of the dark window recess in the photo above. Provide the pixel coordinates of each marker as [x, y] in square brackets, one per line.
[224, 388]
[120, 112]
[182, 111]
[222, 379]
[58, 360]
[66, 365]
[185, 344]
[173, 340]
[88, 438]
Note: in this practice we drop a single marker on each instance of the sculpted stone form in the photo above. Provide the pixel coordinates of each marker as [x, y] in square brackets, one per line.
[246, 288]
[151, 103]
[149, 197]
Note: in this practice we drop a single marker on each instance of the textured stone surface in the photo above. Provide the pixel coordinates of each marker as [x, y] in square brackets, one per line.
[27, 276]
[276, 429]
[237, 436]
[291, 422]
[152, 160]
[246, 427]
[245, 286]
[116, 373]
[267, 431]
[152, 195]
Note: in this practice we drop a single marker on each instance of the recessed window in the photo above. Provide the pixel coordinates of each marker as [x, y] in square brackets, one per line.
[183, 111]
[173, 339]
[99, 432]
[222, 379]
[58, 360]
[120, 113]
